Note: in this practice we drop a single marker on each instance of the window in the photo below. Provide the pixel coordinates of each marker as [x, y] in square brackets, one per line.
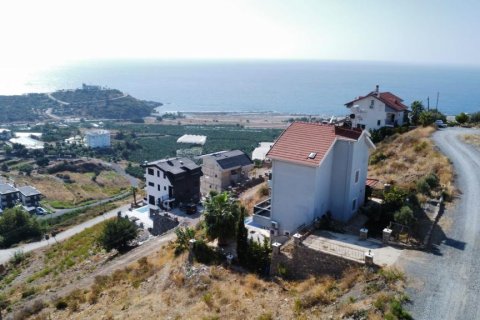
[150, 171]
[379, 122]
[354, 204]
[158, 187]
[164, 175]
[158, 173]
[363, 126]
[151, 184]
[151, 200]
[372, 104]
[358, 125]
[357, 175]
[164, 188]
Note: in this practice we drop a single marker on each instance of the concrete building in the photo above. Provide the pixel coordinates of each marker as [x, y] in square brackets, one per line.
[261, 151]
[30, 197]
[97, 139]
[170, 182]
[376, 110]
[224, 169]
[8, 196]
[316, 169]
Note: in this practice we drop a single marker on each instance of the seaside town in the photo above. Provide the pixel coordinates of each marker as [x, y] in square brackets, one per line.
[319, 206]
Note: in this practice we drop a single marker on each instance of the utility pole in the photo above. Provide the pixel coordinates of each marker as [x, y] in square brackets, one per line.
[428, 103]
[436, 104]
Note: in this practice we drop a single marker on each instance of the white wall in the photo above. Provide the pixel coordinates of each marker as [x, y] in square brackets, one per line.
[160, 184]
[369, 116]
[97, 140]
[293, 195]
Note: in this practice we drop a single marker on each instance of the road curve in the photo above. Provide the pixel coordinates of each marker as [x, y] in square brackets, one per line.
[445, 283]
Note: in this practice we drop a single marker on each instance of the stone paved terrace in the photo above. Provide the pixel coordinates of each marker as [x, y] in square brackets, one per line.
[351, 247]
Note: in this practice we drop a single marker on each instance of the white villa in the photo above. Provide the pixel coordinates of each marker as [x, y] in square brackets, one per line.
[316, 168]
[97, 139]
[377, 110]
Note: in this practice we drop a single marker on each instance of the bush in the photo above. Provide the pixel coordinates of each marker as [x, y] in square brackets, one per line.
[183, 237]
[117, 234]
[61, 304]
[17, 225]
[394, 198]
[404, 216]
[461, 118]
[17, 257]
[377, 157]
[475, 117]
[432, 180]
[204, 254]
[423, 187]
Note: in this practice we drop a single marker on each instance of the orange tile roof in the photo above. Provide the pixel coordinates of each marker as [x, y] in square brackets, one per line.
[388, 98]
[301, 139]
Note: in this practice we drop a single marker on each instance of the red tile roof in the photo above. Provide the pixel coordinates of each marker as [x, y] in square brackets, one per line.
[388, 98]
[301, 139]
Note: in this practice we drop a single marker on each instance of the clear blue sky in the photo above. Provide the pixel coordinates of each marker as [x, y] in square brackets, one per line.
[419, 31]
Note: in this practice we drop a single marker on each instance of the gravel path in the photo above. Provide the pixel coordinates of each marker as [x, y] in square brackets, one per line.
[445, 283]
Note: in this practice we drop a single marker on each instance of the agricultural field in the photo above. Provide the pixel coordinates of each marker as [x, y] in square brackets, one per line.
[156, 141]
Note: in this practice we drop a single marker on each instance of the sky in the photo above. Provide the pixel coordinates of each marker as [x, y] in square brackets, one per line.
[50, 32]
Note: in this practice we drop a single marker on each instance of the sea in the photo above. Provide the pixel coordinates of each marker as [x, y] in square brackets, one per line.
[293, 87]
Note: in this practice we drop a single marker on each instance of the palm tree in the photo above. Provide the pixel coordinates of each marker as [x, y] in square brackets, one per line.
[221, 214]
[134, 192]
[417, 109]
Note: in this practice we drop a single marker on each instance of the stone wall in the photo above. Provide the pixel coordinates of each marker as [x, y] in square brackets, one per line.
[162, 222]
[299, 262]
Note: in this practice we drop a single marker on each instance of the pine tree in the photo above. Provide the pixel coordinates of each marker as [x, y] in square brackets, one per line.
[242, 238]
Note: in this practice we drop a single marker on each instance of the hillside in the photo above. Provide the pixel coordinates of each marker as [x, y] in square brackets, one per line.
[97, 103]
[403, 159]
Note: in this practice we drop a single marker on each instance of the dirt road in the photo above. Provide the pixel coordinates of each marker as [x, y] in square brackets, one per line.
[445, 283]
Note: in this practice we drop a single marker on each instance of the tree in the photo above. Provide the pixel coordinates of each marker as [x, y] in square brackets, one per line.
[117, 234]
[42, 161]
[184, 235]
[242, 237]
[17, 225]
[221, 215]
[404, 216]
[134, 192]
[417, 108]
[461, 118]
[26, 168]
[426, 118]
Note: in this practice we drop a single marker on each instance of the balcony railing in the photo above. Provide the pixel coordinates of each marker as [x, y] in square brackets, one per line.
[263, 208]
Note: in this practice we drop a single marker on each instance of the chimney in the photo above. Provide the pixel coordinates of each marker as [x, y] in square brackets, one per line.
[376, 90]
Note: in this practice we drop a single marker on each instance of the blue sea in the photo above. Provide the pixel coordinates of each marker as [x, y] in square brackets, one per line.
[304, 87]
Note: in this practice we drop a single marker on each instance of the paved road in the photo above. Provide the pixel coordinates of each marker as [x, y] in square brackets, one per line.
[6, 254]
[446, 282]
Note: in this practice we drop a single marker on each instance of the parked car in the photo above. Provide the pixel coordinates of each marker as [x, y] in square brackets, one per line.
[440, 124]
[191, 208]
[40, 211]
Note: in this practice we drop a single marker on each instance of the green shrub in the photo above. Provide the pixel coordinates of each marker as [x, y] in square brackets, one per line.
[398, 311]
[17, 257]
[461, 118]
[184, 235]
[204, 254]
[423, 186]
[475, 117]
[432, 180]
[17, 225]
[404, 216]
[394, 198]
[61, 304]
[377, 157]
[117, 234]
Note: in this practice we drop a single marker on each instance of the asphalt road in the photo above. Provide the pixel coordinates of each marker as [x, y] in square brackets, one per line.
[445, 283]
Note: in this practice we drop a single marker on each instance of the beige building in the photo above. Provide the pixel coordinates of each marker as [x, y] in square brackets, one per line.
[224, 169]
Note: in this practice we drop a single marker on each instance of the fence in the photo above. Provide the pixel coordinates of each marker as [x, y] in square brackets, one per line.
[337, 249]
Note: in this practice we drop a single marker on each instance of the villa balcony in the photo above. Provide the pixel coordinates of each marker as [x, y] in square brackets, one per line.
[263, 208]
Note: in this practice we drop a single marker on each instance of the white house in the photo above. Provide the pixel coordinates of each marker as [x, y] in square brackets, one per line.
[97, 139]
[377, 110]
[316, 168]
[170, 182]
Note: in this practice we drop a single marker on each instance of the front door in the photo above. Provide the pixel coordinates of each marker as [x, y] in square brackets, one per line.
[170, 192]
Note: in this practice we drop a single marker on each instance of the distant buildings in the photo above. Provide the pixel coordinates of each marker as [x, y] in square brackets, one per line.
[224, 169]
[10, 196]
[28, 139]
[376, 110]
[170, 182]
[261, 151]
[97, 139]
[5, 134]
[316, 169]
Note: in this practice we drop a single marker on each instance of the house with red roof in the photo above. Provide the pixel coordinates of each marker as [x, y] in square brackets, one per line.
[316, 168]
[376, 110]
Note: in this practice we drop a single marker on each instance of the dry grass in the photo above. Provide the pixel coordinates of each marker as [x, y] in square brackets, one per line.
[61, 194]
[473, 139]
[409, 157]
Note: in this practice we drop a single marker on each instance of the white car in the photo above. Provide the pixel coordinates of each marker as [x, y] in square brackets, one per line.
[440, 124]
[40, 211]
